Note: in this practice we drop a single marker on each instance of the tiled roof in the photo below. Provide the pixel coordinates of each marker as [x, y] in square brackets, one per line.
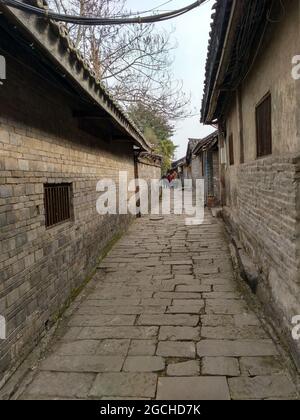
[150, 158]
[237, 30]
[191, 146]
[206, 143]
[193, 143]
[39, 26]
[217, 34]
[179, 162]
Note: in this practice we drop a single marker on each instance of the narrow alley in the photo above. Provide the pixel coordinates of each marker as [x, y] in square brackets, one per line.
[99, 124]
[163, 319]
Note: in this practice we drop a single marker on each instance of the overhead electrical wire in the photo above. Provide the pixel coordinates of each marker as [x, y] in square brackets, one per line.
[154, 9]
[98, 21]
[139, 13]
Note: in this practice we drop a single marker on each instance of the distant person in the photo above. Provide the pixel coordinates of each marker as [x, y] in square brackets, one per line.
[172, 179]
[165, 182]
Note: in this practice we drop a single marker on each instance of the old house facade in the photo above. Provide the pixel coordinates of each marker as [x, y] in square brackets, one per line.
[148, 166]
[207, 152]
[202, 162]
[193, 163]
[251, 94]
[180, 167]
[60, 133]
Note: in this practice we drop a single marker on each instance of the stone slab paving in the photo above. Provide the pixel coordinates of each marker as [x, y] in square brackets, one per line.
[191, 388]
[165, 319]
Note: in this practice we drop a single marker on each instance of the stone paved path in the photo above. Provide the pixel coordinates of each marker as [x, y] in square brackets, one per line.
[165, 320]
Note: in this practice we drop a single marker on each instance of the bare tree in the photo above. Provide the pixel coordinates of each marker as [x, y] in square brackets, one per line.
[134, 61]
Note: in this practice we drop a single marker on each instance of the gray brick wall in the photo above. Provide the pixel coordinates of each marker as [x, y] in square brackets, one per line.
[148, 171]
[39, 268]
[266, 218]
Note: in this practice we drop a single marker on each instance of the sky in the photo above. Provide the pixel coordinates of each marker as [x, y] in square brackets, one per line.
[192, 34]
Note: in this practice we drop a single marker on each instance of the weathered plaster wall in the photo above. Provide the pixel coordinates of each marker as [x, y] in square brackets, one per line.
[216, 166]
[271, 72]
[196, 168]
[231, 170]
[262, 195]
[40, 143]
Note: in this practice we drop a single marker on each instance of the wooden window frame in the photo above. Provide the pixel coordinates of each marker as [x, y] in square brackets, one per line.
[58, 204]
[231, 149]
[263, 123]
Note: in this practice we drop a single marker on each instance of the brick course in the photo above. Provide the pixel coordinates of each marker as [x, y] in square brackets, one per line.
[40, 142]
[265, 218]
[147, 171]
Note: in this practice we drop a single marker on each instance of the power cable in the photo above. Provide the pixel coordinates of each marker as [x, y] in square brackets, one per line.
[97, 21]
[155, 9]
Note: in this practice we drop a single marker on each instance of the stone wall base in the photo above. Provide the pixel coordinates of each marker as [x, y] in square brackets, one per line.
[263, 288]
[121, 224]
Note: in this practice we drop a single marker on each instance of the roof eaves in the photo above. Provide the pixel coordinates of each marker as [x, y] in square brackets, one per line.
[220, 18]
[235, 23]
[179, 162]
[66, 55]
[150, 158]
[207, 143]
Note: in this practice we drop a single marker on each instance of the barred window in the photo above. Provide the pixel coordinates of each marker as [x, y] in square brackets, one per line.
[264, 127]
[58, 205]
